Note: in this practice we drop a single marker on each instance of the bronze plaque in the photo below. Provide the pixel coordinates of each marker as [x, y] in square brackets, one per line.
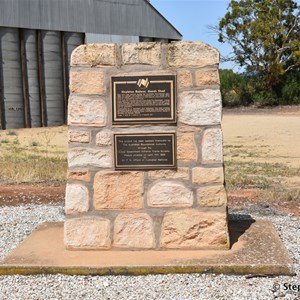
[145, 151]
[144, 99]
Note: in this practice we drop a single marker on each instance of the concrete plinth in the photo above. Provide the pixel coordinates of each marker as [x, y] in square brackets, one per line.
[256, 249]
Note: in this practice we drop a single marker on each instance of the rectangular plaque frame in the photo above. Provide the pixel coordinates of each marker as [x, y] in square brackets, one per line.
[145, 151]
[149, 99]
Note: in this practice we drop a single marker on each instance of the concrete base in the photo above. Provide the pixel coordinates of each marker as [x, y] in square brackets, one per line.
[256, 249]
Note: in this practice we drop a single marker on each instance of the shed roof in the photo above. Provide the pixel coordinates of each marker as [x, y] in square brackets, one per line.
[119, 17]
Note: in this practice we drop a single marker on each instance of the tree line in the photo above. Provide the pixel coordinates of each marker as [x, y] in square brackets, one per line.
[242, 89]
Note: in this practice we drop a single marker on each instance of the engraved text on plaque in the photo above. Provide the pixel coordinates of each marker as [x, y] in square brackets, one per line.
[145, 151]
[144, 99]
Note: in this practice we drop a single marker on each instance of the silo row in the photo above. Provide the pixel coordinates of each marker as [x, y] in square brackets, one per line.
[34, 76]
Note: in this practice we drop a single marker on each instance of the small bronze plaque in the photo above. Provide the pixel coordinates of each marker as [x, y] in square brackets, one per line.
[144, 99]
[145, 151]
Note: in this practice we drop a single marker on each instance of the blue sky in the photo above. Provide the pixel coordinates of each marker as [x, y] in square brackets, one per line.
[191, 18]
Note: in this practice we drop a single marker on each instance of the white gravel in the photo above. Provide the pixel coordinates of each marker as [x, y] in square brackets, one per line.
[17, 222]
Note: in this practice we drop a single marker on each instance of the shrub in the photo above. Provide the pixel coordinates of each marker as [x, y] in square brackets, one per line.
[265, 98]
[235, 88]
[244, 89]
[291, 90]
[11, 132]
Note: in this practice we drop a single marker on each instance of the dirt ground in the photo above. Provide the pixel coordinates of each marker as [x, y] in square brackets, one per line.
[265, 135]
[269, 136]
[14, 195]
[274, 134]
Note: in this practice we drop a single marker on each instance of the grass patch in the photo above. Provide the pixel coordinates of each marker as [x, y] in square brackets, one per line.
[12, 133]
[34, 143]
[16, 141]
[245, 152]
[233, 146]
[281, 194]
[264, 176]
[264, 169]
[24, 165]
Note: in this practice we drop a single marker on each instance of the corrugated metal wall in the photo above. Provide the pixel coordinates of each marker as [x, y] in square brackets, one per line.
[13, 107]
[72, 40]
[110, 38]
[34, 68]
[32, 74]
[53, 76]
[118, 17]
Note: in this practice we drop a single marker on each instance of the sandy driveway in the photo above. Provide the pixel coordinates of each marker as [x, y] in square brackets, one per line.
[264, 137]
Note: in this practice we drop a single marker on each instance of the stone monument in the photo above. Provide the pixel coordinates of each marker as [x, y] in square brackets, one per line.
[145, 157]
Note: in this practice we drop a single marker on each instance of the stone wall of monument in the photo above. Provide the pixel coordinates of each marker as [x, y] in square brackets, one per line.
[182, 208]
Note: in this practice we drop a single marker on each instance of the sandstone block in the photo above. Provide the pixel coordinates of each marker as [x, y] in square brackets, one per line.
[212, 196]
[185, 79]
[78, 157]
[79, 136]
[87, 81]
[83, 175]
[212, 146]
[200, 107]
[77, 199]
[94, 55]
[180, 173]
[118, 190]
[170, 194]
[193, 229]
[141, 53]
[187, 54]
[87, 233]
[207, 77]
[103, 138]
[190, 129]
[134, 230]
[207, 175]
[87, 111]
[186, 147]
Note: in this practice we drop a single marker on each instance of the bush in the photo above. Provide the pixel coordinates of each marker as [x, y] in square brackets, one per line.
[265, 98]
[234, 88]
[291, 90]
[243, 89]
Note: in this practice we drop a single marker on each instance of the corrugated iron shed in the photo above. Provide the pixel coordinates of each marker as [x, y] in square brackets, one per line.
[36, 41]
[117, 17]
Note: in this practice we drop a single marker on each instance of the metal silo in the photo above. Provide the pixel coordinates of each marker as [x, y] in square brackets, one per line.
[11, 77]
[53, 77]
[72, 41]
[30, 39]
[36, 41]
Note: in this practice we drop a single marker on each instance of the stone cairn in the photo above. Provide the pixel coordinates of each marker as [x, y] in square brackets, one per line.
[108, 209]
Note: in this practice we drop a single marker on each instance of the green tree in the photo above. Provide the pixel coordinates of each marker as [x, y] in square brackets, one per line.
[235, 88]
[265, 37]
[290, 92]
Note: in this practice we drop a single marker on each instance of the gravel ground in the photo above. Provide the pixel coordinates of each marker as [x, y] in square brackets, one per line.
[17, 222]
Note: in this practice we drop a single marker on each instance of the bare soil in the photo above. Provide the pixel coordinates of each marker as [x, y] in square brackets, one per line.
[273, 136]
[14, 195]
[268, 135]
[253, 110]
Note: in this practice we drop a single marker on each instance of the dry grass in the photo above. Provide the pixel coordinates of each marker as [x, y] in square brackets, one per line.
[39, 155]
[269, 178]
[33, 158]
